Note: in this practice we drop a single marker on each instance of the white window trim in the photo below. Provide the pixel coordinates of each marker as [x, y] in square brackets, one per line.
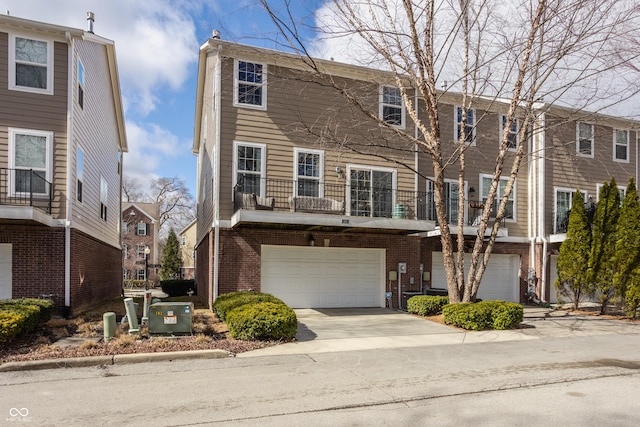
[615, 144]
[236, 83]
[514, 194]
[320, 178]
[621, 188]
[79, 172]
[381, 106]
[593, 130]
[503, 118]
[12, 148]
[81, 84]
[431, 189]
[104, 198]
[394, 182]
[555, 202]
[456, 123]
[263, 163]
[12, 65]
[138, 228]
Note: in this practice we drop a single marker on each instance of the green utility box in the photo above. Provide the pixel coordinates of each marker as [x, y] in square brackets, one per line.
[170, 318]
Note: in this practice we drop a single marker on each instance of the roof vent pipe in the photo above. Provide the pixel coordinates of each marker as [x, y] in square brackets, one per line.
[215, 34]
[90, 20]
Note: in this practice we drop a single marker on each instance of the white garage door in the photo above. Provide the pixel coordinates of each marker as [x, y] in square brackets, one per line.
[5, 271]
[499, 282]
[320, 277]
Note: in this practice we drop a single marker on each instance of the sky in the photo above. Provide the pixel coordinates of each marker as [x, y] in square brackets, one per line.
[157, 43]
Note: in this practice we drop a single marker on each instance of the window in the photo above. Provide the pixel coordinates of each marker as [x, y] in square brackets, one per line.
[30, 65]
[308, 172]
[621, 145]
[126, 227]
[140, 251]
[250, 167]
[125, 251]
[451, 195]
[622, 191]
[584, 139]
[250, 85]
[485, 183]
[126, 274]
[30, 159]
[564, 202]
[391, 106]
[371, 191]
[104, 194]
[512, 137]
[80, 84]
[141, 274]
[141, 229]
[184, 240]
[79, 169]
[469, 126]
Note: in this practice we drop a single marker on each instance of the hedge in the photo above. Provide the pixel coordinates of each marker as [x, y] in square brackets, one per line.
[263, 320]
[227, 302]
[484, 315]
[426, 305]
[21, 316]
[178, 288]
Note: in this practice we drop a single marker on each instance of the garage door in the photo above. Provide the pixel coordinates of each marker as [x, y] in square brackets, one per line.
[5, 271]
[319, 277]
[499, 282]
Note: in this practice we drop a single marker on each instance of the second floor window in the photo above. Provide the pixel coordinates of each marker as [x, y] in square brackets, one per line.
[79, 170]
[309, 172]
[584, 139]
[391, 106]
[564, 202]
[140, 251]
[125, 251]
[621, 145]
[486, 184]
[371, 192]
[250, 84]
[141, 229]
[250, 165]
[30, 157]
[469, 125]
[80, 84]
[30, 65]
[104, 197]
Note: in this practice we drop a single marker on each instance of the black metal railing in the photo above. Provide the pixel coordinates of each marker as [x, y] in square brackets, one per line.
[327, 198]
[25, 187]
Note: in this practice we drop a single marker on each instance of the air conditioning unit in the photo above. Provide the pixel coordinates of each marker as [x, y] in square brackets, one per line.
[171, 318]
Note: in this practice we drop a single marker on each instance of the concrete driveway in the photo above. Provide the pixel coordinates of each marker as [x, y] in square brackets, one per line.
[334, 330]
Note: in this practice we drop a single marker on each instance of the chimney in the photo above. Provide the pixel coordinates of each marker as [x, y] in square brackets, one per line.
[215, 34]
[90, 20]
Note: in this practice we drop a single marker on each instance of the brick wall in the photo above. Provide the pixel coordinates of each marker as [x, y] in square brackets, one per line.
[96, 271]
[38, 254]
[203, 261]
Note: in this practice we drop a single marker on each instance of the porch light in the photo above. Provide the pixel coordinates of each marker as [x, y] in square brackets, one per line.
[312, 240]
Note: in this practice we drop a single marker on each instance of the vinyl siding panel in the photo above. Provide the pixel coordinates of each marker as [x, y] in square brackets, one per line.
[38, 112]
[95, 130]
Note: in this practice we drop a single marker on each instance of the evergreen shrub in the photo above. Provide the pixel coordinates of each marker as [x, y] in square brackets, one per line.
[484, 315]
[262, 321]
[227, 302]
[426, 305]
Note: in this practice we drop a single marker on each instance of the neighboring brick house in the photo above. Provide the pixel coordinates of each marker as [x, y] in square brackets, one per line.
[140, 228]
[282, 211]
[187, 239]
[62, 136]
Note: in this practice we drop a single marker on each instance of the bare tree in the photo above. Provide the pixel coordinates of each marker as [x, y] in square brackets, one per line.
[175, 202]
[516, 53]
[131, 189]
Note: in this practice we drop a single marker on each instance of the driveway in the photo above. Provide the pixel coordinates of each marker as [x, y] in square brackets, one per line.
[334, 330]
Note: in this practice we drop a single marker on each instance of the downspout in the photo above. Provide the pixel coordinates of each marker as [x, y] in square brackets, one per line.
[68, 207]
[541, 206]
[216, 184]
[532, 202]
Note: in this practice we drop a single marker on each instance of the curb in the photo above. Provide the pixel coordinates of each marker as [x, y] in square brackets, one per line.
[117, 359]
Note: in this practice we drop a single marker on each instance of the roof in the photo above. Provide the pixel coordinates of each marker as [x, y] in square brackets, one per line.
[188, 226]
[151, 210]
[64, 34]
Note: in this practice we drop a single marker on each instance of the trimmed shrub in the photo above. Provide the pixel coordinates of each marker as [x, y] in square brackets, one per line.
[484, 315]
[21, 316]
[262, 321]
[227, 302]
[178, 288]
[426, 305]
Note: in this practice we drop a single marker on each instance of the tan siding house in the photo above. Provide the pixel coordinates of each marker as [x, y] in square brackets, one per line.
[61, 140]
[284, 207]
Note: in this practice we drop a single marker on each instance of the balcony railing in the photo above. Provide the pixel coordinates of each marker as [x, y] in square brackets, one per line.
[25, 187]
[325, 198]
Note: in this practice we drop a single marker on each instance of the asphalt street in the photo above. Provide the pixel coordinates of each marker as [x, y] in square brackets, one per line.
[571, 381]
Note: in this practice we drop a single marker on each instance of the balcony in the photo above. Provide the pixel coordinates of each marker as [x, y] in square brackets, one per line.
[25, 187]
[342, 205]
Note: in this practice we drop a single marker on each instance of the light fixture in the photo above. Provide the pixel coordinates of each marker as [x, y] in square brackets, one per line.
[339, 172]
[312, 240]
